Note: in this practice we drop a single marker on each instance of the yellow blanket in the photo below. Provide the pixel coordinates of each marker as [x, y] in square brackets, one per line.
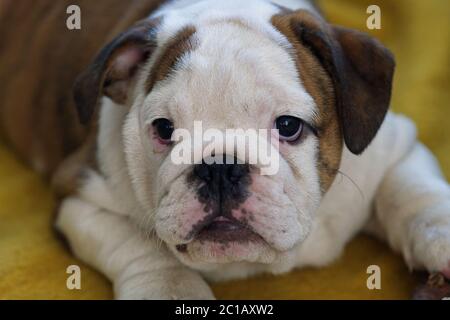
[33, 263]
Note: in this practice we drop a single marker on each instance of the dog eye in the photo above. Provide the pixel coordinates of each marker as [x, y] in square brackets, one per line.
[164, 129]
[289, 128]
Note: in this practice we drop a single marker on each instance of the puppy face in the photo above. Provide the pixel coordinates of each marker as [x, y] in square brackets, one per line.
[239, 82]
[231, 73]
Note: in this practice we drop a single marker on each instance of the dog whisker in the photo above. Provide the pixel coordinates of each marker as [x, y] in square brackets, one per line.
[353, 183]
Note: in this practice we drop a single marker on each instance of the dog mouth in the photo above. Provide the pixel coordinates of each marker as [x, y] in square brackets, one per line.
[223, 230]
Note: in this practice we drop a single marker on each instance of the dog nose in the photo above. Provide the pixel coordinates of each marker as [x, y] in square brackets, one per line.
[227, 172]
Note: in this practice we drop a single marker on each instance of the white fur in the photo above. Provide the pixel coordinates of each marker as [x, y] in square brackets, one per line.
[117, 222]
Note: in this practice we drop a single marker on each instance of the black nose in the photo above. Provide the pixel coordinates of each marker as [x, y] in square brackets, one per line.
[226, 172]
[224, 186]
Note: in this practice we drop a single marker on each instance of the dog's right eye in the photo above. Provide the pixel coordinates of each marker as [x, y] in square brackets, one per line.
[289, 128]
[163, 129]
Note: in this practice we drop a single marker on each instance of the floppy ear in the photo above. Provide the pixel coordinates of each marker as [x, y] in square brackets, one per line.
[361, 69]
[113, 70]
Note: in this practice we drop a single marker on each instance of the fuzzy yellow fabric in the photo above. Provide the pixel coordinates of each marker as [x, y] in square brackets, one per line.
[33, 262]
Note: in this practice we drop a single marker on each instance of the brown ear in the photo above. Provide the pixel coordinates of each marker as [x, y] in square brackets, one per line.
[113, 70]
[361, 69]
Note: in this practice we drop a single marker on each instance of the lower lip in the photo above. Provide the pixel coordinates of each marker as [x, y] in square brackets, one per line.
[223, 231]
[226, 231]
[223, 225]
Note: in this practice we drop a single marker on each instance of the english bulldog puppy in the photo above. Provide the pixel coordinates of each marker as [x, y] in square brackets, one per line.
[161, 230]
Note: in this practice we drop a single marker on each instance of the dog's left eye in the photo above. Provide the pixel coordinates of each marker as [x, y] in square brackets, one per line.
[289, 128]
[164, 129]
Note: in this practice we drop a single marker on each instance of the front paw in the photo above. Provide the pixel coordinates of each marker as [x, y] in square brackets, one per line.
[168, 284]
[435, 288]
[430, 242]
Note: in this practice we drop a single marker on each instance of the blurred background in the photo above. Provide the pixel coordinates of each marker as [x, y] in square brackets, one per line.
[33, 262]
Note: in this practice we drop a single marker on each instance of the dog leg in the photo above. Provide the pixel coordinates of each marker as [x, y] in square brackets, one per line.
[413, 210]
[138, 267]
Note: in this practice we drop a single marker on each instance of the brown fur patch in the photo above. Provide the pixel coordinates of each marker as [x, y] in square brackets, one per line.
[37, 115]
[71, 172]
[319, 85]
[168, 57]
[361, 69]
